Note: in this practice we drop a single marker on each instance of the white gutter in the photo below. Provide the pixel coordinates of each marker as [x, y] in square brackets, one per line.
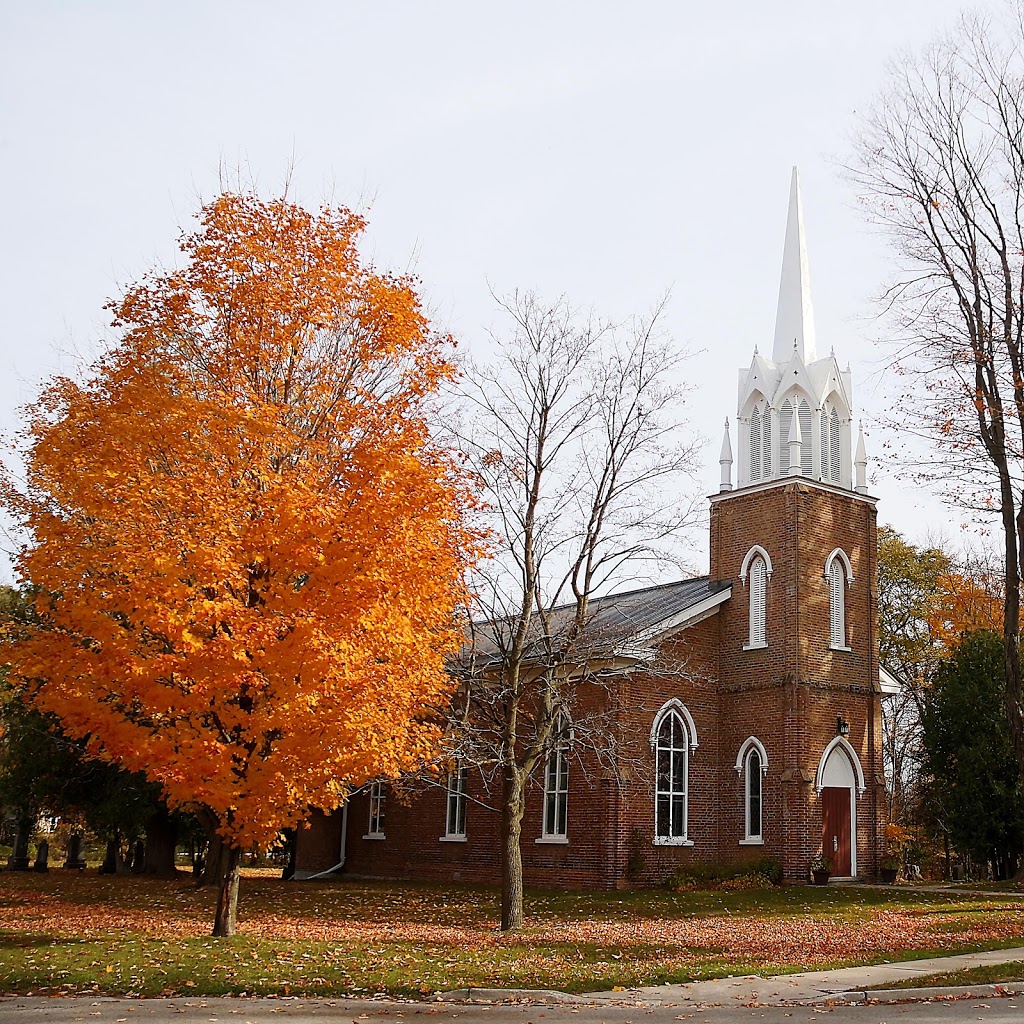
[341, 850]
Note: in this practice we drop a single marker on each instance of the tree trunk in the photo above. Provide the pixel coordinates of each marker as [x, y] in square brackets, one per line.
[227, 898]
[216, 861]
[113, 862]
[512, 851]
[161, 843]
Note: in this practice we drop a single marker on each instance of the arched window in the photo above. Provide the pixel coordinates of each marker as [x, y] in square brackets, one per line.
[838, 576]
[755, 445]
[752, 794]
[751, 765]
[672, 743]
[758, 593]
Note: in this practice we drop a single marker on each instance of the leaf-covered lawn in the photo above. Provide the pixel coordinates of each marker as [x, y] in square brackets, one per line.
[68, 932]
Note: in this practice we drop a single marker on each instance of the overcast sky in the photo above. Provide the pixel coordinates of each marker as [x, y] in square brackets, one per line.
[608, 151]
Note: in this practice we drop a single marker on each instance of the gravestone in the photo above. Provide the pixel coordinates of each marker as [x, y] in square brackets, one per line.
[42, 857]
[19, 859]
[74, 858]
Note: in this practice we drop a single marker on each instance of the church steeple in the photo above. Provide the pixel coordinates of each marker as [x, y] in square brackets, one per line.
[794, 320]
[794, 411]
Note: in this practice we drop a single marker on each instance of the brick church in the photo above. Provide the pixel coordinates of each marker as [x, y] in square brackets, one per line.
[770, 744]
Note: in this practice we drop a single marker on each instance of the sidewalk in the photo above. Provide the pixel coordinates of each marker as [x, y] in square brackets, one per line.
[848, 983]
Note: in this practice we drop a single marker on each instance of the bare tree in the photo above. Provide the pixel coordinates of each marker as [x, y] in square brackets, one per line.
[940, 162]
[575, 434]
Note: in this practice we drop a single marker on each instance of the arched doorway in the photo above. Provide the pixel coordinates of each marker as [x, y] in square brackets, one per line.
[839, 780]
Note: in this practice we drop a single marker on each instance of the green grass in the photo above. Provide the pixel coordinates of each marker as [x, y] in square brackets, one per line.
[988, 974]
[67, 932]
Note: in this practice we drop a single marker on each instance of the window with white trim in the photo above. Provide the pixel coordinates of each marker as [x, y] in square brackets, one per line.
[455, 808]
[757, 584]
[376, 829]
[671, 792]
[753, 769]
[556, 786]
[837, 603]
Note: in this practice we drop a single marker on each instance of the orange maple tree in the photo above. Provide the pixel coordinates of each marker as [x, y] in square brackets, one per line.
[247, 549]
[965, 602]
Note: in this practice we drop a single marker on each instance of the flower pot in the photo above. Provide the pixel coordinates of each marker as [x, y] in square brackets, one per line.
[820, 877]
[889, 875]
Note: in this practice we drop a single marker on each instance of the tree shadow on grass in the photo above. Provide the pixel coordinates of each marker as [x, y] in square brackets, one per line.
[33, 940]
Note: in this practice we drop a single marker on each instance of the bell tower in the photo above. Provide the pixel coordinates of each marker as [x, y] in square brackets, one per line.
[796, 537]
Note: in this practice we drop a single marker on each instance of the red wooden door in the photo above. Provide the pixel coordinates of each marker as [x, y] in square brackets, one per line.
[835, 829]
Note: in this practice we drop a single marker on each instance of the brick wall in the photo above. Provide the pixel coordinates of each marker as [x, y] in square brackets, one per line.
[788, 695]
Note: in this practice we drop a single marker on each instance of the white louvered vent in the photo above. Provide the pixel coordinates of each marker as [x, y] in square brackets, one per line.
[758, 578]
[766, 443]
[755, 445]
[824, 444]
[834, 447]
[837, 603]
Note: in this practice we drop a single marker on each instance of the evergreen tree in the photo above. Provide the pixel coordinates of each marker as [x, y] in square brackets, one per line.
[974, 779]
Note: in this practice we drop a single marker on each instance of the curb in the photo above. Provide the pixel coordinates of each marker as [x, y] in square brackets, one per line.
[505, 995]
[907, 995]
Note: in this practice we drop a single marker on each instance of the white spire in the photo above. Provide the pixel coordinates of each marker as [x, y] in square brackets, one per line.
[860, 461]
[794, 321]
[725, 460]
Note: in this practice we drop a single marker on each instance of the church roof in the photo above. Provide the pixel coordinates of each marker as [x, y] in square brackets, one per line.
[618, 624]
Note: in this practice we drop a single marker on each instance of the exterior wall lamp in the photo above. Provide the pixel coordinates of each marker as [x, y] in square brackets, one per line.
[842, 726]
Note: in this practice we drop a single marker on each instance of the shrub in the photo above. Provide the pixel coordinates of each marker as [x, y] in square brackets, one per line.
[749, 873]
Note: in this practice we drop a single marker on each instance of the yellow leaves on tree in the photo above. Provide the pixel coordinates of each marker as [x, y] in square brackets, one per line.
[247, 549]
[965, 602]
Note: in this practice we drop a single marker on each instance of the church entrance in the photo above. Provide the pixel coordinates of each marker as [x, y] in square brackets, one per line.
[839, 813]
[835, 829]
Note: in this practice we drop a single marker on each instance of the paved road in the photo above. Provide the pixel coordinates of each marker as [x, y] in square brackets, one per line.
[21, 1010]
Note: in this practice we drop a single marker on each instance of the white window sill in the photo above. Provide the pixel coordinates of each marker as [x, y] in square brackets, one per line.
[672, 841]
[832, 647]
[756, 841]
[375, 835]
[452, 839]
[755, 647]
[553, 840]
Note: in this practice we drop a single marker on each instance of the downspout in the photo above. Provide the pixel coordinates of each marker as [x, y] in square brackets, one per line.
[341, 849]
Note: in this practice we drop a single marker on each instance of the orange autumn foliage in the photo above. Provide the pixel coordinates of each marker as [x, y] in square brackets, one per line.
[964, 603]
[248, 550]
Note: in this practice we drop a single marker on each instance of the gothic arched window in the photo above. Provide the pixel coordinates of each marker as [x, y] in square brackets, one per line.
[751, 766]
[672, 742]
[752, 794]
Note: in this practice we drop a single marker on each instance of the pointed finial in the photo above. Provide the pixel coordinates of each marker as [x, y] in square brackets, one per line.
[795, 316]
[796, 444]
[725, 460]
[860, 462]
